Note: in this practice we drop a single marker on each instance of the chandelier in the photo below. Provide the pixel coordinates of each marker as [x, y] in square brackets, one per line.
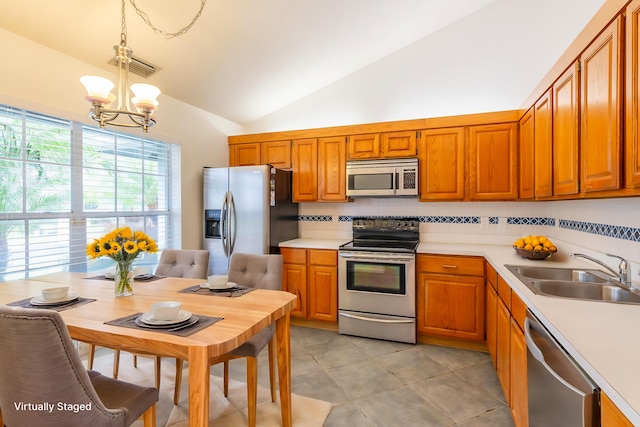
[144, 100]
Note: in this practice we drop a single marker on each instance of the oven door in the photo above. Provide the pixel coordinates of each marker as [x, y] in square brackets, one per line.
[373, 282]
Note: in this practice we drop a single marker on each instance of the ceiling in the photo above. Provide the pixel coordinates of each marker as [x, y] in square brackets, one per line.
[245, 59]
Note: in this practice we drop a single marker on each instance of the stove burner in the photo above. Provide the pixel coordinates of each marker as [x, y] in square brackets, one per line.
[380, 234]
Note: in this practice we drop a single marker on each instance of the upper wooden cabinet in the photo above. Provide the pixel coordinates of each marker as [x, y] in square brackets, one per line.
[601, 111]
[442, 164]
[566, 131]
[383, 145]
[364, 146]
[493, 162]
[543, 148]
[304, 159]
[244, 154]
[277, 154]
[632, 100]
[332, 184]
[527, 160]
[399, 144]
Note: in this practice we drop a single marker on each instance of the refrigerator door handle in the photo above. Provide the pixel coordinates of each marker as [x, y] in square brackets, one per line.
[224, 236]
[232, 223]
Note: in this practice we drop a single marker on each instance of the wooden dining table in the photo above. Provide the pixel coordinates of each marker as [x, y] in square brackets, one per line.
[243, 317]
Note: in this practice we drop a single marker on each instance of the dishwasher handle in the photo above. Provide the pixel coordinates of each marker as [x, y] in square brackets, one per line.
[534, 350]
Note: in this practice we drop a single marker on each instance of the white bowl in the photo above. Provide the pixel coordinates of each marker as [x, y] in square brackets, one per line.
[217, 280]
[55, 294]
[166, 310]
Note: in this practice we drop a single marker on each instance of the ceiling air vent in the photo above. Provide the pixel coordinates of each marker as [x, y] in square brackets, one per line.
[139, 67]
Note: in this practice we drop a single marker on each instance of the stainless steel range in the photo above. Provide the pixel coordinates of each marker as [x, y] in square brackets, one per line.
[376, 279]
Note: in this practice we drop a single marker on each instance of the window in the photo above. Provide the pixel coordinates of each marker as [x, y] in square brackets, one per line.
[63, 184]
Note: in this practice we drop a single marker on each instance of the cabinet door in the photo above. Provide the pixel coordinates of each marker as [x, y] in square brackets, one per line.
[611, 415]
[600, 130]
[276, 154]
[519, 393]
[503, 348]
[527, 159]
[493, 162]
[566, 126]
[543, 151]
[442, 164]
[492, 307]
[632, 100]
[453, 306]
[323, 293]
[294, 280]
[399, 144]
[364, 146]
[304, 159]
[332, 181]
[244, 154]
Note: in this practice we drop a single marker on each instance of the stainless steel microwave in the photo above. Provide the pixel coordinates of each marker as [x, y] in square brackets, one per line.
[382, 178]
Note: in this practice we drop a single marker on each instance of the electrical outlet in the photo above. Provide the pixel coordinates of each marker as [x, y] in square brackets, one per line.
[484, 222]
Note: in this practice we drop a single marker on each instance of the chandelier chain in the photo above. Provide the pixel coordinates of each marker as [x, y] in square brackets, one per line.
[123, 34]
[167, 35]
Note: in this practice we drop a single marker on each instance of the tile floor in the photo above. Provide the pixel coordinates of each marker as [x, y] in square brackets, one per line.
[374, 383]
[382, 383]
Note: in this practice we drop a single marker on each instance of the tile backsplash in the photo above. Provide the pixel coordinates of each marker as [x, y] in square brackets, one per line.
[601, 225]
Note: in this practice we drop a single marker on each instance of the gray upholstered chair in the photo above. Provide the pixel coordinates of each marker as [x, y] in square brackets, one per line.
[255, 271]
[38, 363]
[192, 264]
[188, 263]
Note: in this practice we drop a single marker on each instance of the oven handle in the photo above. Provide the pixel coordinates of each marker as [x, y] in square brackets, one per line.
[371, 319]
[362, 257]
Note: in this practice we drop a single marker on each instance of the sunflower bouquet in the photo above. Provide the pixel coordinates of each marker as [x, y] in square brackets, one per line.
[123, 246]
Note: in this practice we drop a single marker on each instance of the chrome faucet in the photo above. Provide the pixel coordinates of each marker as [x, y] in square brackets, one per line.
[623, 275]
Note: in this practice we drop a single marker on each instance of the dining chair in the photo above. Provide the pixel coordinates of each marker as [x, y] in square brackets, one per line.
[187, 263]
[254, 271]
[39, 365]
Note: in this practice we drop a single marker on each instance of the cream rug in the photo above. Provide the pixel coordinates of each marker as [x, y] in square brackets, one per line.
[223, 411]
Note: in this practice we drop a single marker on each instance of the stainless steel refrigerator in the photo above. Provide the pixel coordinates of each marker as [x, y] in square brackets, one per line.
[247, 209]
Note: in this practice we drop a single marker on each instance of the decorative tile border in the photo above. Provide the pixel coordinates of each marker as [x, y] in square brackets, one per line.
[616, 231]
[450, 219]
[315, 218]
[516, 220]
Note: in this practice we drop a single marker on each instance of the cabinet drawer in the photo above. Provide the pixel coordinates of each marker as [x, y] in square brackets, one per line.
[504, 290]
[323, 257]
[492, 276]
[518, 309]
[467, 266]
[294, 256]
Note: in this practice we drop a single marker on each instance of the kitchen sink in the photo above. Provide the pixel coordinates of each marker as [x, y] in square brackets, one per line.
[569, 274]
[573, 283]
[609, 292]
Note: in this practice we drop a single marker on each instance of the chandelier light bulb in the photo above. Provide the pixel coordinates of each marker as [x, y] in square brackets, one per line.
[98, 89]
[145, 96]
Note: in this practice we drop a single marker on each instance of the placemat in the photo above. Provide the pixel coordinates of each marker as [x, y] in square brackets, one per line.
[150, 279]
[26, 303]
[236, 291]
[130, 322]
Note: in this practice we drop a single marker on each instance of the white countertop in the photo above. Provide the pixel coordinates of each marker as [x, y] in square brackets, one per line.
[604, 338]
[314, 243]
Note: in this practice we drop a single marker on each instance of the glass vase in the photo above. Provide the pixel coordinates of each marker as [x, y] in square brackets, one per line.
[124, 280]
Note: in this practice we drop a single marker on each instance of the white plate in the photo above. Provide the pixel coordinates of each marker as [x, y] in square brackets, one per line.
[227, 285]
[41, 301]
[149, 320]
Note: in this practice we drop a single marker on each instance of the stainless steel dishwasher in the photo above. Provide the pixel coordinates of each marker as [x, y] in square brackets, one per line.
[560, 393]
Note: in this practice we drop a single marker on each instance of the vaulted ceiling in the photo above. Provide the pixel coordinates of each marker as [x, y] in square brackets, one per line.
[246, 59]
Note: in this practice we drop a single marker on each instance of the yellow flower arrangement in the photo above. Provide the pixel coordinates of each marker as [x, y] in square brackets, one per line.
[123, 246]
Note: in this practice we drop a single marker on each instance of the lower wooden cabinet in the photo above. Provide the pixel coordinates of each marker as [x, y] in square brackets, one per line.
[518, 376]
[312, 275]
[451, 297]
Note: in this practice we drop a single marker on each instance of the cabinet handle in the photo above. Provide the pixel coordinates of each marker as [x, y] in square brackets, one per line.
[449, 266]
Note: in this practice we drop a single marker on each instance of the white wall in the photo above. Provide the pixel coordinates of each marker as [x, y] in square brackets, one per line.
[40, 79]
